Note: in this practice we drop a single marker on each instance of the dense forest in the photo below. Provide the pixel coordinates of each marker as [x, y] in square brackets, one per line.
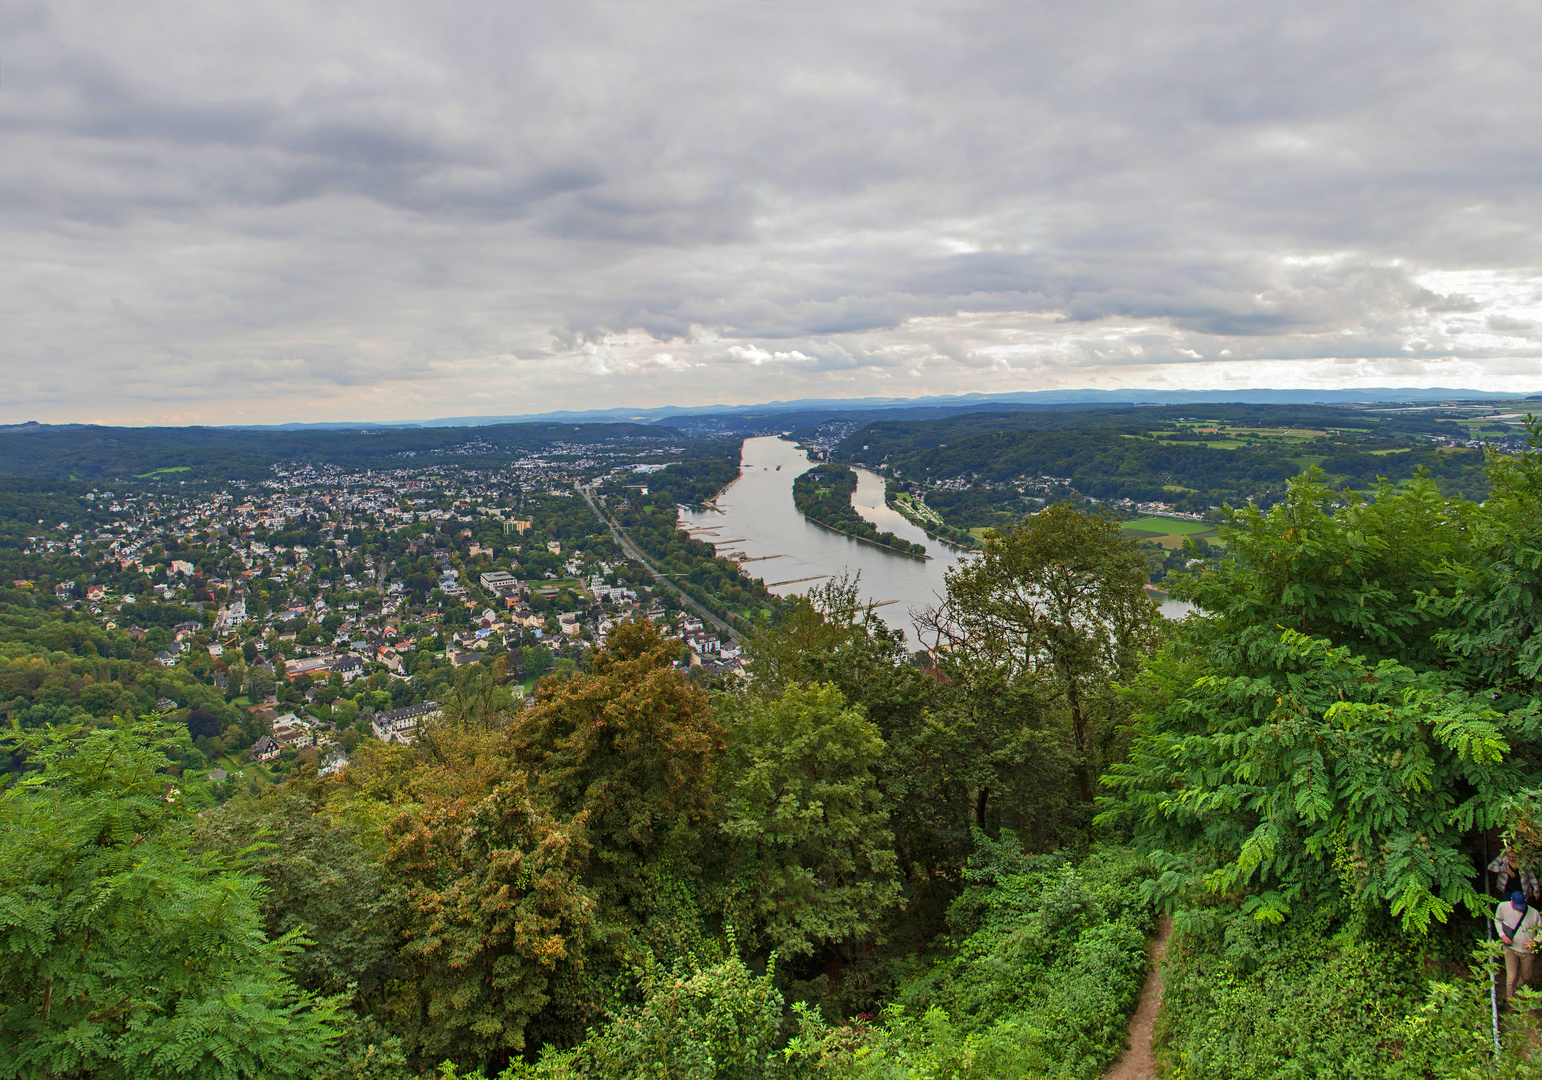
[1234, 454]
[823, 494]
[857, 861]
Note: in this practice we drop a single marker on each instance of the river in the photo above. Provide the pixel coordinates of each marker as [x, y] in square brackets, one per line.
[755, 517]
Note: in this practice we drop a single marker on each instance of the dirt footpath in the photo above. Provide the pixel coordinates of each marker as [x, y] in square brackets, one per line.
[1137, 1062]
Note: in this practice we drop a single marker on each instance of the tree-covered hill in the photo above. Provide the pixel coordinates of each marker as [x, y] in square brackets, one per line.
[1190, 460]
[107, 453]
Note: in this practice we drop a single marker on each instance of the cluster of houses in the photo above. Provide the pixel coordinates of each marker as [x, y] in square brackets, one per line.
[182, 634]
[706, 644]
[289, 733]
[230, 574]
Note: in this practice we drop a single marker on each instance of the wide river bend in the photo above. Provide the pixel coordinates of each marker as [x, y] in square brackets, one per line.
[756, 518]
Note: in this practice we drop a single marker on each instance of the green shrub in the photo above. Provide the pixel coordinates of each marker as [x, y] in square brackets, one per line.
[715, 1022]
[1044, 965]
[1315, 997]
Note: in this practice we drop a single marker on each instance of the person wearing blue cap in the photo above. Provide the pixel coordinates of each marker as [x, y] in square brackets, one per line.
[1517, 923]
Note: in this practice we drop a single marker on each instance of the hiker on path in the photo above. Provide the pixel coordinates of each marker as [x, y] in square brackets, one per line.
[1507, 868]
[1517, 924]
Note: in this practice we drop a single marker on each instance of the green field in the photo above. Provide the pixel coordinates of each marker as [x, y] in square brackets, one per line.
[1167, 532]
[1165, 526]
[168, 469]
[248, 769]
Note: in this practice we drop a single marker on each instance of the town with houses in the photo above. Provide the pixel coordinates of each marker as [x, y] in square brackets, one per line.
[332, 605]
[297, 607]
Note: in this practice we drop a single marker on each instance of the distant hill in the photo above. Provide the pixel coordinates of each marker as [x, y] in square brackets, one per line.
[1026, 398]
[91, 452]
[88, 451]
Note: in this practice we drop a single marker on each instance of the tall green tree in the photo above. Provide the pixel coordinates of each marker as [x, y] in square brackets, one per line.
[1254, 782]
[621, 756]
[813, 859]
[1357, 570]
[126, 954]
[492, 916]
[1058, 601]
[1490, 608]
[323, 880]
[830, 636]
[624, 752]
[1000, 755]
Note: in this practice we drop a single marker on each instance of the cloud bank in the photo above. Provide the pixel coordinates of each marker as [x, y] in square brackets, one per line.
[320, 211]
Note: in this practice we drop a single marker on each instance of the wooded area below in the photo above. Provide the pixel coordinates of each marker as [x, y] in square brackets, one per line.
[854, 861]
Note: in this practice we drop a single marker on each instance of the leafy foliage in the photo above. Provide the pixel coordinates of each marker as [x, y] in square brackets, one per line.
[127, 955]
[624, 752]
[713, 1022]
[1491, 613]
[1351, 569]
[492, 908]
[813, 854]
[1326, 755]
[1051, 953]
[1058, 602]
[323, 881]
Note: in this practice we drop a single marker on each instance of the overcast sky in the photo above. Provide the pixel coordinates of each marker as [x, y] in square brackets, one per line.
[220, 213]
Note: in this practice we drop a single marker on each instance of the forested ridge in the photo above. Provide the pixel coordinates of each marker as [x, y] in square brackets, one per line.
[92, 452]
[1193, 458]
[855, 862]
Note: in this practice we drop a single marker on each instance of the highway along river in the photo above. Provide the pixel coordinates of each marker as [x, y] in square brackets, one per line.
[757, 521]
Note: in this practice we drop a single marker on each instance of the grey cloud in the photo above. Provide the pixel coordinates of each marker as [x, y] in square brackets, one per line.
[1506, 325]
[396, 193]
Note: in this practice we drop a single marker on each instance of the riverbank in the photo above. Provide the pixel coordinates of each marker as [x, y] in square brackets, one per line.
[760, 509]
[660, 576]
[862, 539]
[906, 508]
[823, 495]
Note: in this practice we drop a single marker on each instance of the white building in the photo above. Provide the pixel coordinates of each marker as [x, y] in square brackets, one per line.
[499, 581]
[401, 725]
[289, 730]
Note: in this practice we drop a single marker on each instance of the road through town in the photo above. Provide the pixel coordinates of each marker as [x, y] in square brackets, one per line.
[658, 575]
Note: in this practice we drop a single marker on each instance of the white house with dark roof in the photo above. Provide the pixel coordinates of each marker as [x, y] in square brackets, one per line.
[401, 725]
[289, 730]
[349, 666]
